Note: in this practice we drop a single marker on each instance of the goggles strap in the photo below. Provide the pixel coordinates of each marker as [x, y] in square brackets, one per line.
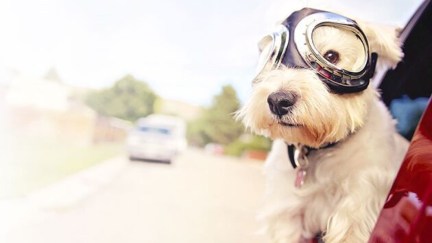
[373, 62]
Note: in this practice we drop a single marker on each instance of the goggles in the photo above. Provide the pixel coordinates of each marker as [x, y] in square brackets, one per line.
[293, 44]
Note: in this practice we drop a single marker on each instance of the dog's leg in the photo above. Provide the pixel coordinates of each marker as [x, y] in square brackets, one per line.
[285, 229]
[282, 213]
[342, 229]
[355, 216]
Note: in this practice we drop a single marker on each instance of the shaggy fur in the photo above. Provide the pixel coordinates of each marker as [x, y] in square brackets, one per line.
[346, 185]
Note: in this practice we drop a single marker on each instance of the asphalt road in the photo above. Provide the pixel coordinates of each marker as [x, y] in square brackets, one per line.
[199, 198]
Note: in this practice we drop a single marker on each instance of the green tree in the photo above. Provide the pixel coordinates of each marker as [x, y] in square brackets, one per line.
[217, 124]
[127, 99]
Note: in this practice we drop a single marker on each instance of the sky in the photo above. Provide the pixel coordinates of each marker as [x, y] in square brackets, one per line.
[184, 49]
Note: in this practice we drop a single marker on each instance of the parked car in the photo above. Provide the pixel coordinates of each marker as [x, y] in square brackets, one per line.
[157, 138]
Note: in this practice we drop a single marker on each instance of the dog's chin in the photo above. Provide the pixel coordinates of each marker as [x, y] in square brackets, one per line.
[293, 132]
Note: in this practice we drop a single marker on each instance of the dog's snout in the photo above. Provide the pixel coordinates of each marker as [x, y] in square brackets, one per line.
[280, 102]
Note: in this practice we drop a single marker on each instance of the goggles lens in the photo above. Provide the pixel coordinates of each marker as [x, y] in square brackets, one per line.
[272, 48]
[267, 53]
[339, 48]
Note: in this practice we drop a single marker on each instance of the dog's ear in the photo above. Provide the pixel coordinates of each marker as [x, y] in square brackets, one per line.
[384, 41]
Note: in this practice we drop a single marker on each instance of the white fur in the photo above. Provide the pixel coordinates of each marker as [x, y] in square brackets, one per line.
[346, 185]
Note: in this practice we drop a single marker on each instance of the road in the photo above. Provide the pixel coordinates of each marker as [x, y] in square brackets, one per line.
[197, 199]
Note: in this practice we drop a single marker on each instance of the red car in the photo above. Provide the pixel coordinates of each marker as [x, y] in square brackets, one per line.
[407, 214]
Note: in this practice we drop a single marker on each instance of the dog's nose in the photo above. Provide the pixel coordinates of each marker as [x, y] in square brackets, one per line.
[280, 102]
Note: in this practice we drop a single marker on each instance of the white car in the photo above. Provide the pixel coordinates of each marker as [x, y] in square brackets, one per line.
[157, 138]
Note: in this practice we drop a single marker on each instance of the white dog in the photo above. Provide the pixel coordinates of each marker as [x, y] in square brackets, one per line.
[335, 152]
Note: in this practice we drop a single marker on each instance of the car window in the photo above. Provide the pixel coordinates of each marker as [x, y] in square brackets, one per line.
[155, 130]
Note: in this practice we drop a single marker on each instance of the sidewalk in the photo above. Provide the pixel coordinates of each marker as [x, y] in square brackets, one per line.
[41, 204]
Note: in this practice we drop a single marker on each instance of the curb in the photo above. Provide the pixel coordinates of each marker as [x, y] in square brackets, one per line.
[64, 194]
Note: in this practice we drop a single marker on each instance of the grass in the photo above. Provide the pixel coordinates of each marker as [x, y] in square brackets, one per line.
[31, 164]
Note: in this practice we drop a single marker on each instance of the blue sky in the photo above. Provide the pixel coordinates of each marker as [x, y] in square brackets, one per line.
[185, 50]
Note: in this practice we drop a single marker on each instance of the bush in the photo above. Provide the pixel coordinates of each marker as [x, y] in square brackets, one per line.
[246, 143]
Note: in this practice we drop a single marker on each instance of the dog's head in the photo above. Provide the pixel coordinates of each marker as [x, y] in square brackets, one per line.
[313, 81]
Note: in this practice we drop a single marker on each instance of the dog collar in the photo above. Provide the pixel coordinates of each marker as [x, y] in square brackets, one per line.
[297, 154]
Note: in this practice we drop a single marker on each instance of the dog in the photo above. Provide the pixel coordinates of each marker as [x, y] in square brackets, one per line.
[335, 149]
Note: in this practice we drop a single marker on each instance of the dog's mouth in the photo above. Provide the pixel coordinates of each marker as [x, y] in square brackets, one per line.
[287, 124]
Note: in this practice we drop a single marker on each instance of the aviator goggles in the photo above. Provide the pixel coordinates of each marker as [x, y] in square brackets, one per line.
[293, 45]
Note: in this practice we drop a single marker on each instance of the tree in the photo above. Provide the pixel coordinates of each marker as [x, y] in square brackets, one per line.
[217, 124]
[127, 99]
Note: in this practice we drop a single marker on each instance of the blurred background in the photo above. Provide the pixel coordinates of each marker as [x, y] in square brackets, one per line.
[116, 117]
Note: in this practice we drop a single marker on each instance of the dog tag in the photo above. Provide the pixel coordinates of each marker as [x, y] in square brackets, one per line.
[300, 178]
